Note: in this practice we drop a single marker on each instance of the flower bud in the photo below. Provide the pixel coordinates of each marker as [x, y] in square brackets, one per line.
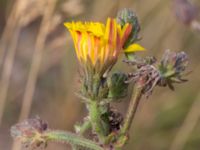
[128, 16]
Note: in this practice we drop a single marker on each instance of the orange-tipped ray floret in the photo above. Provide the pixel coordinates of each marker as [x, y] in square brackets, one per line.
[99, 45]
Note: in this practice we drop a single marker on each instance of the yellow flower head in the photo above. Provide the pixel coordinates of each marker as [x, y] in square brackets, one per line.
[97, 45]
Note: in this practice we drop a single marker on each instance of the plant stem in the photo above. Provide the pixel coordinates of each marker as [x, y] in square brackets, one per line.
[135, 99]
[95, 117]
[83, 128]
[60, 136]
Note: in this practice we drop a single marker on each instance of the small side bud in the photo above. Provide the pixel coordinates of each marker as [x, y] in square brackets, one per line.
[128, 16]
[117, 86]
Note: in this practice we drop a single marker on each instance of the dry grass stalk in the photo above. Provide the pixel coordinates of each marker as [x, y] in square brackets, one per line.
[35, 65]
[37, 57]
[12, 29]
[7, 70]
[15, 22]
[17, 11]
[33, 10]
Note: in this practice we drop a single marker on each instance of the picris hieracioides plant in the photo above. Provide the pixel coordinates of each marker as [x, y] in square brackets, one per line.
[98, 48]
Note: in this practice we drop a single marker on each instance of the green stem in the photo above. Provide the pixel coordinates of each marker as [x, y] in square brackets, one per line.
[95, 118]
[135, 99]
[98, 124]
[132, 109]
[83, 128]
[60, 136]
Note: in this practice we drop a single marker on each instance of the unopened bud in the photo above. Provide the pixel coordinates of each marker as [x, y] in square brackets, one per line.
[128, 16]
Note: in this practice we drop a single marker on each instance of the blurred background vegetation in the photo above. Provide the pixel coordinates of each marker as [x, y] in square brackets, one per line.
[39, 70]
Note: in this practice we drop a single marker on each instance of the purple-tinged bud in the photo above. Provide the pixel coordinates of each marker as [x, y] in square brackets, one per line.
[128, 16]
[150, 73]
[172, 68]
[29, 132]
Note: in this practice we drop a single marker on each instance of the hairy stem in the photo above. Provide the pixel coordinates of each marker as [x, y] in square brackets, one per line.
[96, 121]
[131, 112]
[81, 131]
[60, 136]
[135, 99]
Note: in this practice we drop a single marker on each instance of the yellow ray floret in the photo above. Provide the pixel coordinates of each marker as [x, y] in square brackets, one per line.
[99, 45]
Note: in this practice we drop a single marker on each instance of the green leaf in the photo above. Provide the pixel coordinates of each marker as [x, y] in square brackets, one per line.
[117, 86]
